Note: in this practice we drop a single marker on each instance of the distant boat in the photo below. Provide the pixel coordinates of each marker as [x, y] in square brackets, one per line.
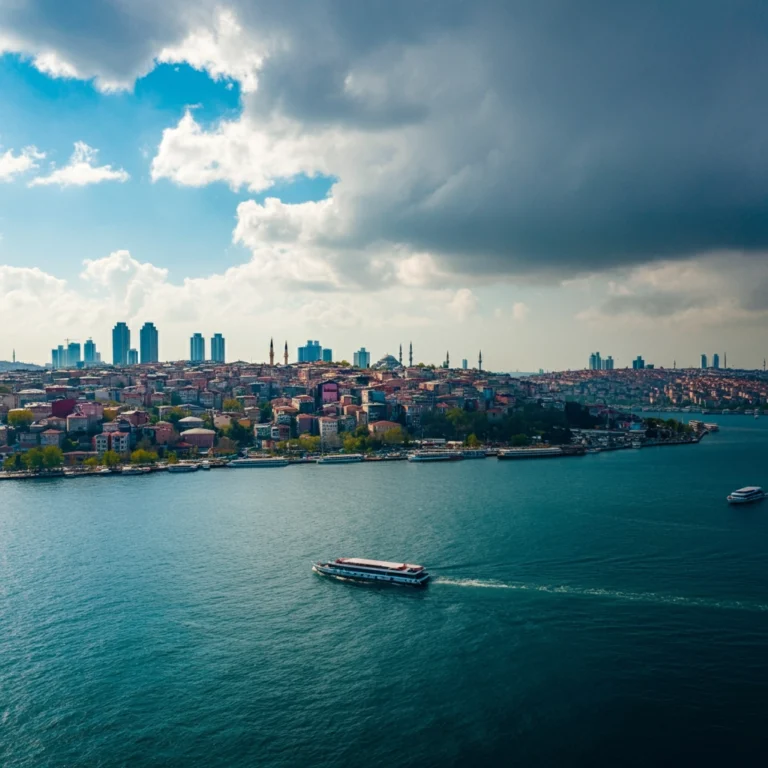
[131, 471]
[182, 467]
[359, 569]
[205, 465]
[256, 461]
[340, 458]
[746, 495]
[435, 456]
[531, 453]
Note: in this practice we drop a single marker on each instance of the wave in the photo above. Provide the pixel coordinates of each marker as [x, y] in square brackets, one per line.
[610, 594]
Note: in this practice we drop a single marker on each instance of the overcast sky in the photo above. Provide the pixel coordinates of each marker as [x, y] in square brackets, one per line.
[539, 180]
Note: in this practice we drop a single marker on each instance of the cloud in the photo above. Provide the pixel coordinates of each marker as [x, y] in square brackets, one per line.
[463, 304]
[12, 165]
[81, 171]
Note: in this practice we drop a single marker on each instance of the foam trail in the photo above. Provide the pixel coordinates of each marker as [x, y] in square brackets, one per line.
[610, 594]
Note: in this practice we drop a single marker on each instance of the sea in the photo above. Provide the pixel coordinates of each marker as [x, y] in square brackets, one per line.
[605, 610]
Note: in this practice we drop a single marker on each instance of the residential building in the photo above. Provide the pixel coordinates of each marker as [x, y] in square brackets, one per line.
[382, 427]
[638, 364]
[716, 361]
[329, 431]
[218, 348]
[121, 343]
[327, 355]
[703, 362]
[362, 358]
[608, 363]
[148, 343]
[310, 353]
[133, 357]
[120, 442]
[101, 443]
[59, 357]
[464, 364]
[197, 348]
[595, 362]
[51, 437]
[89, 352]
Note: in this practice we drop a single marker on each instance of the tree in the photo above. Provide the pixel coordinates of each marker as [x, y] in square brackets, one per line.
[21, 418]
[519, 441]
[92, 462]
[394, 436]
[34, 459]
[172, 457]
[175, 414]
[142, 456]
[265, 412]
[232, 404]
[175, 398]
[225, 445]
[13, 462]
[53, 457]
[240, 434]
[110, 459]
[472, 441]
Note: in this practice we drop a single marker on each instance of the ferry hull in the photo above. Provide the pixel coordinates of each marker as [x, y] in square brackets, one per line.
[369, 578]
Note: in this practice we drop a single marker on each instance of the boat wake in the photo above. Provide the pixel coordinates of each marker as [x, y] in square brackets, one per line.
[610, 594]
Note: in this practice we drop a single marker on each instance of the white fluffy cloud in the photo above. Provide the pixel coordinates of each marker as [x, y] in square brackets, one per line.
[81, 170]
[13, 164]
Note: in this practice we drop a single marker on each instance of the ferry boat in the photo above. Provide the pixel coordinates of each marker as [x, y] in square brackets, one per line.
[340, 458]
[530, 453]
[712, 427]
[131, 471]
[474, 453]
[205, 465]
[435, 456]
[746, 495]
[359, 569]
[182, 467]
[256, 461]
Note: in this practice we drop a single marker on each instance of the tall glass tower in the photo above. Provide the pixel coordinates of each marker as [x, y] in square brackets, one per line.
[218, 354]
[148, 343]
[121, 343]
[197, 348]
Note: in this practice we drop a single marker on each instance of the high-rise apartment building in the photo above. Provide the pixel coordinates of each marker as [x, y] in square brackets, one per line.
[74, 356]
[704, 362]
[595, 362]
[121, 343]
[148, 343]
[608, 363]
[362, 358]
[327, 355]
[218, 348]
[197, 348]
[89, 352]
[310, 353]
[638, 363]
[59, 357]
[133, 357]
[716, 361]
[464, 364]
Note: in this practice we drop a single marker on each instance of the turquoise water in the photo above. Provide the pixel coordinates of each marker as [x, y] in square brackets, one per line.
[604, 610]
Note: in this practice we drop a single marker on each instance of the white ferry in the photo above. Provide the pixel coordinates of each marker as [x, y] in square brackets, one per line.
[746, 495]
[340, 458]
[530, 453]
[358, 569]
[256, 461]
[182, 467]
[712, 427]
[435, 456]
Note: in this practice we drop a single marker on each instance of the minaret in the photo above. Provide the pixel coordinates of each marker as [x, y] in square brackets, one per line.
[410, 355]
[285, 354]
[400, 358]
[14, 357]
[725, 360]
[271, 352]
[480, 361]
[447, 359]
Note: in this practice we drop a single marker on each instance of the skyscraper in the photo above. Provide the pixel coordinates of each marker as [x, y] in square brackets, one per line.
[218, 353]
[362, 358]
[73, 354]
[89, 352]
[704, 361]
[464, 364]
[197, 348]
[608, 363]
[716, 361]
[121, 343]
[595, 362]
[310, 353]
[638, 363]
[148, 343]
[59, 357]
[133, 357]
[327, 355]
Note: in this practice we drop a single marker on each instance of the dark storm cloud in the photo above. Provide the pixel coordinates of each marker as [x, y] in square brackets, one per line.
[544, 137]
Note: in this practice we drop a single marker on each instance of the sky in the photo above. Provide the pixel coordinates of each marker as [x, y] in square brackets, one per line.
[536, 180]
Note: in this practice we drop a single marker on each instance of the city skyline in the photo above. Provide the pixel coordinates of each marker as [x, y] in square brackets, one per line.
[201, 180]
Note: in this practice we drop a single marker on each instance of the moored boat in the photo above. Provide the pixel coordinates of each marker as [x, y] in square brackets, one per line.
[258, 461]
[746, 495]
[360, 569]
[531, 453]
[340, 458]
[132, 471]
[435, 456]
[183, 467]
